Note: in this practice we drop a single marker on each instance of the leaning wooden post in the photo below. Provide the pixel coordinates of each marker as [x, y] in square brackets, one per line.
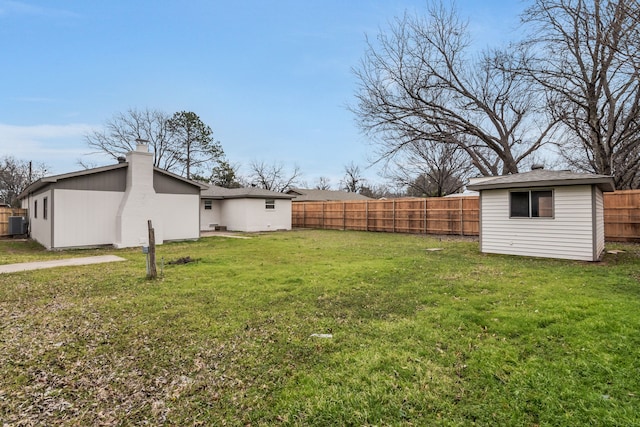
[152, 273]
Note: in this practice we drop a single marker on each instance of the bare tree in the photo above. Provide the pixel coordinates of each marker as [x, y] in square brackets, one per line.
[323, 183]
[586, 58]
[120, 133]
[418, 84]
[430, 169]
[274, 177]
[353, 181]
[381, 191]
[15, 176]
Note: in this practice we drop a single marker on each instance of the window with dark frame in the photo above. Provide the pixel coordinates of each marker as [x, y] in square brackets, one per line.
[269, 204]
[35, 209]
[44, 208]
[531, 204]
[207, 205]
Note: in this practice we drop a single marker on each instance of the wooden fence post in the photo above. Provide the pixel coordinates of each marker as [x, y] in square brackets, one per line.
[153, 271]
[366, 214]
[461, 220]
[394, 215]
[426, 214]
[344, 216]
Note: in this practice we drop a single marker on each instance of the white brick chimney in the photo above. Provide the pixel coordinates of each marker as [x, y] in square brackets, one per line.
[139, 202]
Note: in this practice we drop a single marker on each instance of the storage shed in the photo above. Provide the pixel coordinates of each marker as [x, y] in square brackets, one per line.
[543, 213]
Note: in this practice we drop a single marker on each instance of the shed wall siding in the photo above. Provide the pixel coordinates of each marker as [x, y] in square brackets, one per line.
[568, 235]
[85, 218]
[599, 199]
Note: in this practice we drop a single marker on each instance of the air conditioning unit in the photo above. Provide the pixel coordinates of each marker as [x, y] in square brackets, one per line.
[17, 225]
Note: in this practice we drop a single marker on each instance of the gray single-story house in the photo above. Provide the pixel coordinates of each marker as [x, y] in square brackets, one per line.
[543, 213]
[111, 205]
[244, 209]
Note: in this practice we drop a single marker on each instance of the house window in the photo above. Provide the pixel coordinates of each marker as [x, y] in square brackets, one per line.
[44, 208]
[207, 205]
[270, 204]
[531, 204]
[35, 209]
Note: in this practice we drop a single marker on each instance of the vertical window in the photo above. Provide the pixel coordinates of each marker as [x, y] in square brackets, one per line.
[35, 209]
[44, 208]
[531, 204]
[270, 204]
[207, 205]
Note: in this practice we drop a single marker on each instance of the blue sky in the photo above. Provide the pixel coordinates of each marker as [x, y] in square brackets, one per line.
[272, 78]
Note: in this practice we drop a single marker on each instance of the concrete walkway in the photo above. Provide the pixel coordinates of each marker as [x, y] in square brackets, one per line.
[26, 266]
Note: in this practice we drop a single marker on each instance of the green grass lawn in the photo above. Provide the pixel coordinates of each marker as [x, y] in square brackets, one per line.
[450, 337]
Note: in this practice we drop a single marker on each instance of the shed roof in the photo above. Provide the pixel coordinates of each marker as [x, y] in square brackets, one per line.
[544, 178]
[312, 195]
[215, 192]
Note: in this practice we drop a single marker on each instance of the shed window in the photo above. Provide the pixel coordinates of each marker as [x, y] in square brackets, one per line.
[269, 204]
[531, 204]
[207, 205]
[35, 209]
[44, 208]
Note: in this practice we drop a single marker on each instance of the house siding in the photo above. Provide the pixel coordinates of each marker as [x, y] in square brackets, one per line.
[40, 227]
[569, 234]
[166, 184]
[85, 218]
[180, 216]
[113, 180]
[250, 215]
[209, 218]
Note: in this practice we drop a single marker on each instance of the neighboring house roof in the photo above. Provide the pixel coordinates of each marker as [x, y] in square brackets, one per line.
[466, 193]
[544, 178]
[215, 192]
[43, 182]
[311, 195]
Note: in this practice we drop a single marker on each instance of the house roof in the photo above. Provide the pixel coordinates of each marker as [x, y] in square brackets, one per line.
[311, 195]
[215, 192]
[544, 178]
[43, 182]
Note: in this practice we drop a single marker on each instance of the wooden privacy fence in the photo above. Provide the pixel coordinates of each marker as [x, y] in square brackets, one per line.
[622, 216]
[449, 215]
[5, 213]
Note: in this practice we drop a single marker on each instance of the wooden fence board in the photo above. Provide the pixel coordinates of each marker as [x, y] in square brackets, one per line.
[622, 215]
[447, 215]
[5, 213]
[456, 215]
